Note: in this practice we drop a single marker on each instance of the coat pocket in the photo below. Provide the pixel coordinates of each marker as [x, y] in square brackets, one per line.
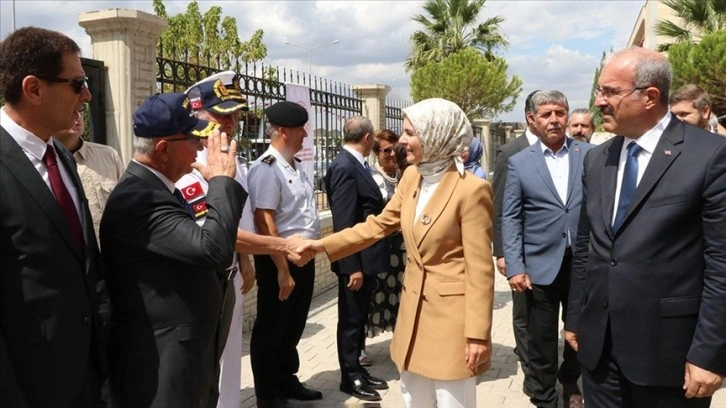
[451, 288]
[680, 306]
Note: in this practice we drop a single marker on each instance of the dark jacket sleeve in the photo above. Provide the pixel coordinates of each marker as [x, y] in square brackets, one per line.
[499, 180]
[343, 197]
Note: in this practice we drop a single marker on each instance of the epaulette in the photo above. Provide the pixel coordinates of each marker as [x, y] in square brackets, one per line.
[269, 159]
[296, 159]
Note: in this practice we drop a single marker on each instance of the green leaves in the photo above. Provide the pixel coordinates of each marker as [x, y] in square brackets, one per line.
[478, 85]
[697, 18]
[703, 64]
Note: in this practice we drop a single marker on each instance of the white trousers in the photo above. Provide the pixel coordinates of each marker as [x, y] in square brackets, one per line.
[231, 361]
[422, 392]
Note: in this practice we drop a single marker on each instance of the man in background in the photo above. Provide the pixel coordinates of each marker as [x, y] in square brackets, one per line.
[691, 104]
[581, 125]
[99, 166]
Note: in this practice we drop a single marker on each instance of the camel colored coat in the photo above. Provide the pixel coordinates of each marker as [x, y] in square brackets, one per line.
[446, 295]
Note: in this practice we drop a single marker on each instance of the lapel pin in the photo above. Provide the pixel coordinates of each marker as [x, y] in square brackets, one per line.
[667, 152]
[425, 219]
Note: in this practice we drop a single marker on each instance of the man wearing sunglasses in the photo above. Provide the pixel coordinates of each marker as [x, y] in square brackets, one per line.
[165, 273]
[51, 336]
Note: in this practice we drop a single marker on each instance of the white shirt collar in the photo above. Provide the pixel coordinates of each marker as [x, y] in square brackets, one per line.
[27, 140]
[531, 137]
[563, 149]
[355, 154]
[650, 138]
[158, 174]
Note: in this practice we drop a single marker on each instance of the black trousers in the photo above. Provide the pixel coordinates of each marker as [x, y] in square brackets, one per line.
[353, 310]
[607, 387]
[519, 324]
[543, 310]
[225, 321]
[278, 326]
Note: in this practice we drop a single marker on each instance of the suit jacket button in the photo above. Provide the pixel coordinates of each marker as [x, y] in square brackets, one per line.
[424, 297]
[567, 210]
[605, 304]
[564, 235]
[613, 262]
[86, 319]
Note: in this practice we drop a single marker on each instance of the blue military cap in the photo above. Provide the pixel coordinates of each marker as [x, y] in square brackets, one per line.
[168, 114]
[219, 93]
[287, 114]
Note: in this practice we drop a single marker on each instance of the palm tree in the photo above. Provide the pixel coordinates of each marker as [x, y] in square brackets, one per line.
[446, 30]
[698, 17]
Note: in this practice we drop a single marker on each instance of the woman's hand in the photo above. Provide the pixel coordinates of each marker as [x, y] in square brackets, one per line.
[477, 352]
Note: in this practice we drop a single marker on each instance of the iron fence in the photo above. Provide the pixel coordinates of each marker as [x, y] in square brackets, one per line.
[394, 116]
[333, 103]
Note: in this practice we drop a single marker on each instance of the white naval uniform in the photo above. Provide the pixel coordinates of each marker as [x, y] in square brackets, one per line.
[231, 360]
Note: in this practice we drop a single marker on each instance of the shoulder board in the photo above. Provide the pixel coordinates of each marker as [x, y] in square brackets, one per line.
[269, 159]
[296, 159]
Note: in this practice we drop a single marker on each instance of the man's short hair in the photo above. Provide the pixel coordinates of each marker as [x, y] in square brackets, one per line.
[692, 93]
[548, 97]
[648, 71]
[31, 51]
[355, 128]
[583, 111]
[528, 101]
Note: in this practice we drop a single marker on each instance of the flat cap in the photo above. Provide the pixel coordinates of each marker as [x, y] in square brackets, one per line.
[168, 114]
[219, 93]
[287, 114]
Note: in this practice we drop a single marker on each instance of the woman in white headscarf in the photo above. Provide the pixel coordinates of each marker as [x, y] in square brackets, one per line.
[442, 338]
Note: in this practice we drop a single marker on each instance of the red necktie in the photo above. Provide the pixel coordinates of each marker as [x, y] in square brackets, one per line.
[63, 196]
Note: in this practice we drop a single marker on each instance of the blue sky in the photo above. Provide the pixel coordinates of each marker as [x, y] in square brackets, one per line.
[553, 44]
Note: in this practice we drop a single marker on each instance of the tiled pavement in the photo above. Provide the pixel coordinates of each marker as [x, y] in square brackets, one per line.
[501, 386]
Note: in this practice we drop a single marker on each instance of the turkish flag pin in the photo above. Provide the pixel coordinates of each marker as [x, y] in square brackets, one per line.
[667, 152]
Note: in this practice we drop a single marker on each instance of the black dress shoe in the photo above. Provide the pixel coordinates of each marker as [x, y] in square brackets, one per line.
[272, 403]
[373, 382]
[360, 390]
[294, 389]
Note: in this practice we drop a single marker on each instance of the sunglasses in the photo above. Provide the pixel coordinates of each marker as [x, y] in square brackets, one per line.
[387, 150]
[77, 83]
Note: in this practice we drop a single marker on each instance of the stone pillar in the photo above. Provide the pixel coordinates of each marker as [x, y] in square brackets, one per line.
[374, 102]
[126, 41]
[487, 159]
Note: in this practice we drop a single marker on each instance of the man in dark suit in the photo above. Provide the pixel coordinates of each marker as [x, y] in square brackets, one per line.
[519, 300]
[354, 195]
[50, 331]
[647, 299]
[166, 274]
[541, 208]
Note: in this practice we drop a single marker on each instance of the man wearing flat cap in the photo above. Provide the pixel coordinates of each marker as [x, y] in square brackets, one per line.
[218, 99]
[166, 273]
[283, 203]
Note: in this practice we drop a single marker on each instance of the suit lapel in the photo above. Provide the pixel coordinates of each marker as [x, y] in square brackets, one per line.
[362, 171]
[663, 156]
[610, 180]
[435, 206]
[28, 177]
[538, 160]
[574, 156]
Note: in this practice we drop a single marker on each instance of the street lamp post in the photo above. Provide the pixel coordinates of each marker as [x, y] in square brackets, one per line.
[310, 52]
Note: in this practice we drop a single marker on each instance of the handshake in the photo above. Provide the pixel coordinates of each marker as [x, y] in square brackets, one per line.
[301, 250]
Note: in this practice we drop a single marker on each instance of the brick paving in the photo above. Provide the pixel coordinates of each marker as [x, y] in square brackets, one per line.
[501, 386]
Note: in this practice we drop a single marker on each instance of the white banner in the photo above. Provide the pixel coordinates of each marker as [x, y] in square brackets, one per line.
[300, 94]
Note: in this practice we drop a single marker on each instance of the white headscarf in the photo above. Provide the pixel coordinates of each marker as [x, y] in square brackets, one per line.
[444, 132]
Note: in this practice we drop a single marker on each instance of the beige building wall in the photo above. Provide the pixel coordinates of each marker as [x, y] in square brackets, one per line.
[644, 33]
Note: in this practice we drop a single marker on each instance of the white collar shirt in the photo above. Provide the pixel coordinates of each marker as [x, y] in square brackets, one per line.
[647, 144]
[34, 148]
[531, 137]
[284, 188]
[558, 164]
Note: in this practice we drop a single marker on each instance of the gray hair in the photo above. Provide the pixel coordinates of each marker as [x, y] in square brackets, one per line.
[582, 111]
[651, 69]
[548, 97]
[144, 145]
[271, 130]
[357, 127]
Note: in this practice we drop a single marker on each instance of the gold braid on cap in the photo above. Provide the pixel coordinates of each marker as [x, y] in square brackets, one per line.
[207, 131]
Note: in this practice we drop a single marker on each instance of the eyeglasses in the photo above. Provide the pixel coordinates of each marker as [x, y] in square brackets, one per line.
[608, 93]
[387, 150]
[77, 83]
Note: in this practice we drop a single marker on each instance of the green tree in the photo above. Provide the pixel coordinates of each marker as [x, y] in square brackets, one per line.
[480, 86]
[594, 111]
[207, 39]
[450, 27]
[698, 17]
[703, 64]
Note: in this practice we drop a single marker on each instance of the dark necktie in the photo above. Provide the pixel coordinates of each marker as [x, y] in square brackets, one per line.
[627, 187]
[368, 167]
[184, 202]
[62, 196]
